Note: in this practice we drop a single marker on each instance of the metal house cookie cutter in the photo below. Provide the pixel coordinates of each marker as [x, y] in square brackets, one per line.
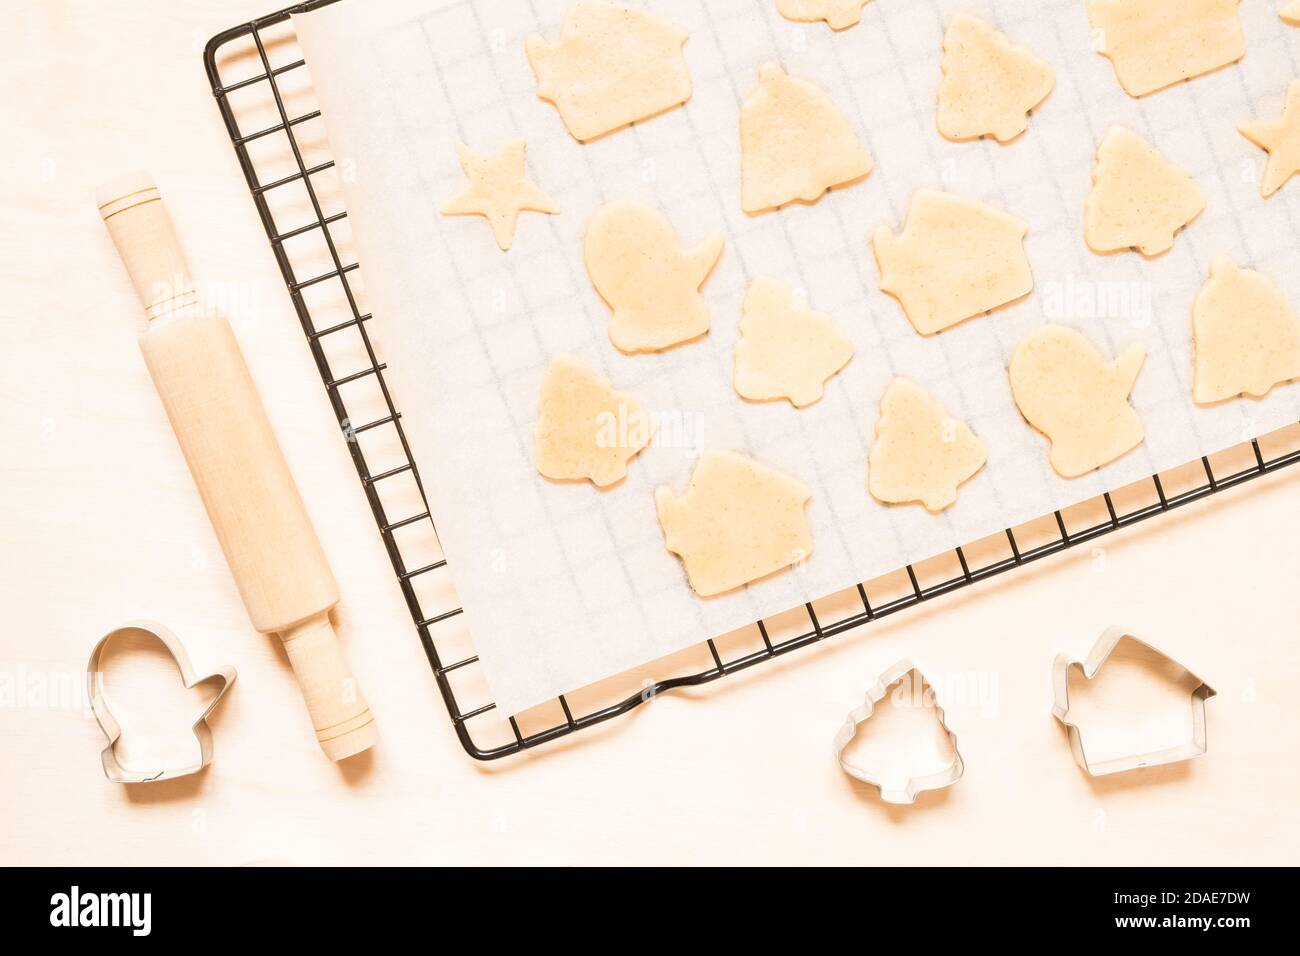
[1097, 657]
[98, 701]
[914, 785]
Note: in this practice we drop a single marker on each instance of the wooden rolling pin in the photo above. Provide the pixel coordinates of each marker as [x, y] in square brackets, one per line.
[237, 464]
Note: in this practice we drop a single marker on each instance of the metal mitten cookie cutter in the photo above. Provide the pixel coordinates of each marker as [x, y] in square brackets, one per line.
[1097, 657]
[949, 775]
[202, 733]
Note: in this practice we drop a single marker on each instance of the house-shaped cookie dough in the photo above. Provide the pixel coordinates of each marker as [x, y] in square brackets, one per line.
[612, 65]
[737, 522]
[1156, 43]
[1246, 335]
[955, 258]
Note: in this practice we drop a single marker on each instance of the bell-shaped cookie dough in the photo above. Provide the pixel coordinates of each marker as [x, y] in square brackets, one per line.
[955, 258]
[794, 143]
[639, 268]
[612, 65]
[1069, 392]
[1139, 199]
[785, 352]
[737, 522]
[838, 14]
[920, 453]
[989, 84]
[1281, 138]
[1246, 335]
[499, 189]
[585, 428]
[1156, 43]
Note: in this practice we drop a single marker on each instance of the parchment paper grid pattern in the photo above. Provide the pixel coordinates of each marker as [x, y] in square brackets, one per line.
[602, 593]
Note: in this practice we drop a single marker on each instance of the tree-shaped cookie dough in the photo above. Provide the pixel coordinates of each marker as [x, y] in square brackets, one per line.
[1139, 199]
[785, 352]
[1069, 392]
[955, 258]
[1281, 138]
[1156, 43]
[920, 453]
[499, 189]
[586, 429]
[639, 268]
[1246, 335]
[838, 14]
[989, 84]
[612, 65]
[737, 522]
[794, 143]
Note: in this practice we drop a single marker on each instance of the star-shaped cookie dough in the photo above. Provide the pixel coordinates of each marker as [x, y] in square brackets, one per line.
[1281, 137]
[499, 189]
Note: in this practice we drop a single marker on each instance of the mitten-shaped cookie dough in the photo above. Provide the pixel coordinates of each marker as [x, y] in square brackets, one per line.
[794, 143]
[785, 352]
[989, 84]
[586, 429]
[955, 258]
[921, 453]
[1246, 335]
[737, 522]
[1079, 400]
[1139, 199]
[611, 66]
[639, 268]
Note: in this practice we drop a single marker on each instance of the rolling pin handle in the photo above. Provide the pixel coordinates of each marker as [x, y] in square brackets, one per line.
[339, 713]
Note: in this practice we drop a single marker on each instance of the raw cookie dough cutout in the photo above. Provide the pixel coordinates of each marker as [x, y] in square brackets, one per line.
[1281, 138]
[1156, 43]
[1069, 392]
[585, 428]
[737, 522]
[639, 268]
[921, 454]
[838, 14]
[989, 84]
[1139, 199]
[955, 258]
[794, 143]
[785, 352]
[499, 189]
[611, 66]
[1246, 337]
[1290, 13]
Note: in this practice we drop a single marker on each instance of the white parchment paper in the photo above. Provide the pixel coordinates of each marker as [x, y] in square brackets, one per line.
[563, 584]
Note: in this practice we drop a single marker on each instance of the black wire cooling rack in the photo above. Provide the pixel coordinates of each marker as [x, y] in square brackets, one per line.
[1159, 494]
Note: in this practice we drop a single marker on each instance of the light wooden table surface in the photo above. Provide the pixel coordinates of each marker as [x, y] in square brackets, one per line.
[101, 523]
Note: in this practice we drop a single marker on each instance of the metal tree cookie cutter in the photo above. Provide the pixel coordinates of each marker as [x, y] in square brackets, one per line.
[1097, 657]
[949, 775]
[98, 701]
